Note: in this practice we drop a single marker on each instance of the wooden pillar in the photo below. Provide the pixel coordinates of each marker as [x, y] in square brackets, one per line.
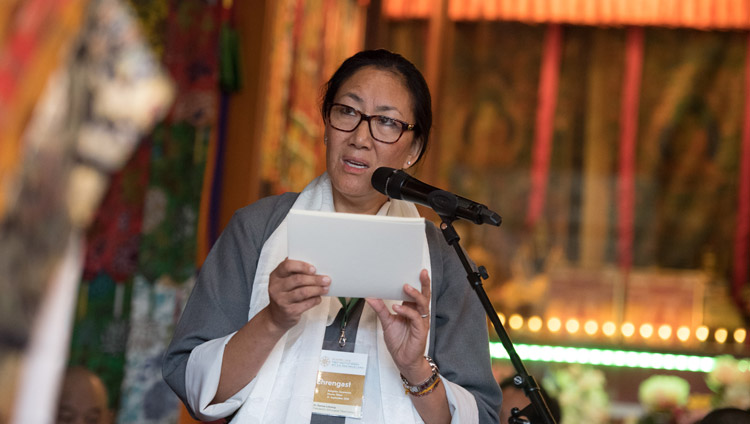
[375, 25]
[439, 37]
[598, 159]
[241, 160]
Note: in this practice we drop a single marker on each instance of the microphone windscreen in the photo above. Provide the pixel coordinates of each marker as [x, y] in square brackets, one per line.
[380, 178]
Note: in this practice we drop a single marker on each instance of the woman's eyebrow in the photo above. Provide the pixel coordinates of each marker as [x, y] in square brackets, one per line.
[386, 108]
[382, 108]
[354, 97]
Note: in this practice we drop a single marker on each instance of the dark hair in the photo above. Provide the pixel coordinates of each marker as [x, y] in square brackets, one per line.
[387, 60]
[726, 416]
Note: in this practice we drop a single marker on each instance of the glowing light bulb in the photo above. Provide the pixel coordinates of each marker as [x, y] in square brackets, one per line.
[665, 331]
[739, 335]
[535, 324]
[721, 335]
[590, 327]
[683, 333]
[554, 324]
[515, 321]
[628, 329]
[701, 333]
[501, 317]
[646, 331]
[572, 325]
[609, 328]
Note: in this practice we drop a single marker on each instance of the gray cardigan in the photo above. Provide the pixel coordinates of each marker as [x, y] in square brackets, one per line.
[220, 300]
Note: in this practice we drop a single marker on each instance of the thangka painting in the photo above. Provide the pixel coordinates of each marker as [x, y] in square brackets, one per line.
[687, 149]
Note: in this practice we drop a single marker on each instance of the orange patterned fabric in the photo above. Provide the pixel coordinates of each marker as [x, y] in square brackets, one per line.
[703, 14]
[309, 42]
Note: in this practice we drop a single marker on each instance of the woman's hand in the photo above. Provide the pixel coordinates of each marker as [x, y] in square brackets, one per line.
[405, 332]
[293, 288]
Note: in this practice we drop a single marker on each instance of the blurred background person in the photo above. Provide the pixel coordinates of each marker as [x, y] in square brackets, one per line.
[83, 399]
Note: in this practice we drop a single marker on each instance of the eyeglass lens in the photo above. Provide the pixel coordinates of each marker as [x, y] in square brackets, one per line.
[382, 128]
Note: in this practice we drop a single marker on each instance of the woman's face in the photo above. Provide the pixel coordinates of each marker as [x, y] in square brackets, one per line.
[352, 157]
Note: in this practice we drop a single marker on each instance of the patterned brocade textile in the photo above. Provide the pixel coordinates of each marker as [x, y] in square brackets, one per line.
[166, 257]
[146, 398]
[114, 238]
[170, 216]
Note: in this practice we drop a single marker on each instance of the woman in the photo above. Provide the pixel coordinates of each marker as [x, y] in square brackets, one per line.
[377, 112]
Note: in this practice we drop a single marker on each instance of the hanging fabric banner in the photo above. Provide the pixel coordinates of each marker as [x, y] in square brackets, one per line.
[545, 120]
[628, 133]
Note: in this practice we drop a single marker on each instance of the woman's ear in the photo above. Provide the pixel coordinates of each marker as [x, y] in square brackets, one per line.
[416, 148]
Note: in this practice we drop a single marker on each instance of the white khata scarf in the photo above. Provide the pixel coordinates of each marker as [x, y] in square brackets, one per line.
[283, 390]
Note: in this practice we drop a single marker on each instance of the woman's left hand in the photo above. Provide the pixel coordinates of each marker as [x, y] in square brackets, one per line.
[405, 332]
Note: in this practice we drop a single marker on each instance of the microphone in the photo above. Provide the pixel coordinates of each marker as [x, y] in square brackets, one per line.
[397, 184]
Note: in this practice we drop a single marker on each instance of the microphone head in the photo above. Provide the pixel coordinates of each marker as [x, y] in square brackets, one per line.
[380, 179]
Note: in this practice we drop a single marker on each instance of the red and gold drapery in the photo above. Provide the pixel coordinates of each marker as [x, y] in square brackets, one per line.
[702, 14]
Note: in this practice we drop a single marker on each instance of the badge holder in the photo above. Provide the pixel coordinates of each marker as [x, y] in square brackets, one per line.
[340, 386]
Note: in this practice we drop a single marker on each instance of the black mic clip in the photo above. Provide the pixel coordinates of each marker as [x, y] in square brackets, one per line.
[444, 204]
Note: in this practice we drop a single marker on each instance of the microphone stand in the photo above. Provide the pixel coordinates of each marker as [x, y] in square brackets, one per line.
[444, 204]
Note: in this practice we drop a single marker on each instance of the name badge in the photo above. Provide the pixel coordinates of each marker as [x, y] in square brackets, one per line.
[341, 383]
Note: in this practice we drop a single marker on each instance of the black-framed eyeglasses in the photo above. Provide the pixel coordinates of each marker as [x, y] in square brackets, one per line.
[382, 128]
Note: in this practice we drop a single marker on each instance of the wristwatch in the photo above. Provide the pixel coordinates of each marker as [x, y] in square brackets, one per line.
[426, 386]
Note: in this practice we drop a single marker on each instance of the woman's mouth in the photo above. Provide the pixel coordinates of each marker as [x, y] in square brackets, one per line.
[355, 164]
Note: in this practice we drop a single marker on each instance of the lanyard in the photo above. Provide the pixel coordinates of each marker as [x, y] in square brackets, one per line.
[348, 308]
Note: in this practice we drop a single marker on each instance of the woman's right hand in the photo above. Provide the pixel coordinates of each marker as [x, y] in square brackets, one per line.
[293, 288]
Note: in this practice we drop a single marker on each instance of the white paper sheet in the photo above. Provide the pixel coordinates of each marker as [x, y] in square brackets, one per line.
[365, 255]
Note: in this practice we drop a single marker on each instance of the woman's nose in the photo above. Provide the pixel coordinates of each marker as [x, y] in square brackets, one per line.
[362, 136]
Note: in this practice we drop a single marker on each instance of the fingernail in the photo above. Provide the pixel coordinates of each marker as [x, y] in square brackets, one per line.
[326, 279]
[312, 270]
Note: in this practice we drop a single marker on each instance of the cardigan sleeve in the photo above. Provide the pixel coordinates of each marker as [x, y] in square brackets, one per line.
[219, 303]
[460, 345]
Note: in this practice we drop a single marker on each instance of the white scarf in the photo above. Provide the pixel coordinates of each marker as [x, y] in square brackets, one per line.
[284, 387]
